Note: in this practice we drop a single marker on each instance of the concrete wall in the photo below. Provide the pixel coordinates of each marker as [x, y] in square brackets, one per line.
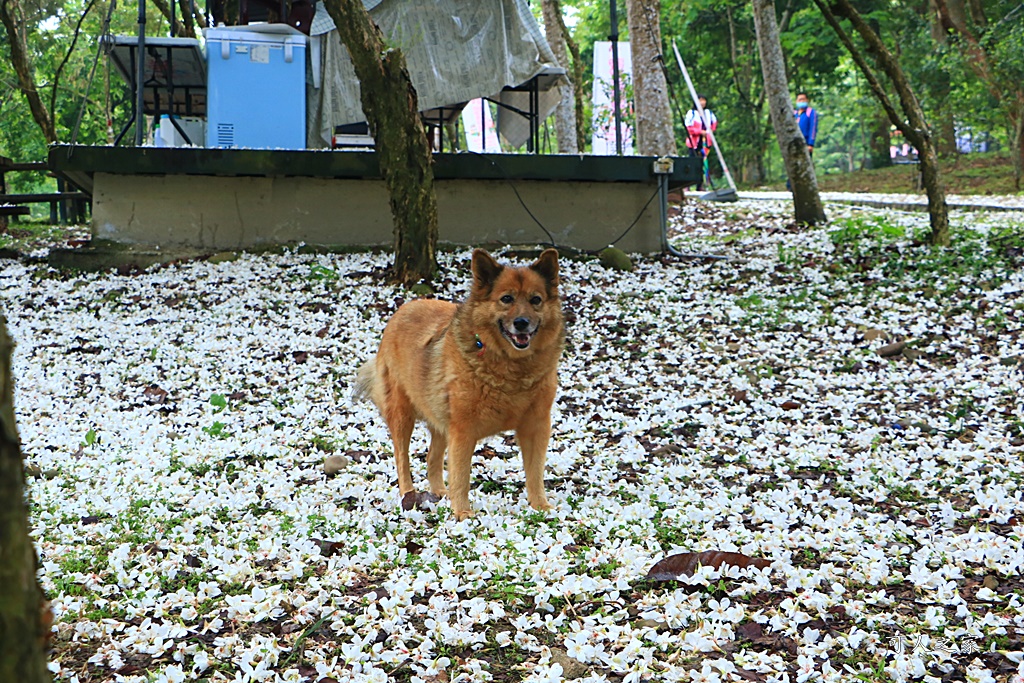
[229, 213]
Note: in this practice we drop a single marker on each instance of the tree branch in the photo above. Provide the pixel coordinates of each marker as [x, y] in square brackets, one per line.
[865, 68]
[978, 59]
[917, 130]
[744, 95]
[67, 55]
[787, 16]
[23, 69]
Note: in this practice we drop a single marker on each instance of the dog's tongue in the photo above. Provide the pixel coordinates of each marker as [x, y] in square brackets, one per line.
[522, 339]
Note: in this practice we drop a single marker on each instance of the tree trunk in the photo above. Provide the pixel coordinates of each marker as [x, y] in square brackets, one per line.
[807, 206]
[577, 78]
[912, 124]
[389, 102]
[968, 23]
[879, 142]
[179, 28]
[1017, 150]
[565, 115]
[11, 17]
[946, 138]
[749, 120]
[25, 618]
[655, 135]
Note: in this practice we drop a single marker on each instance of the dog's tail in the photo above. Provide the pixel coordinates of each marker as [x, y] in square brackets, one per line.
[365, 380]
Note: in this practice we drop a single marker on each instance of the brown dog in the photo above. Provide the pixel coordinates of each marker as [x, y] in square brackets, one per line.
[472, 370]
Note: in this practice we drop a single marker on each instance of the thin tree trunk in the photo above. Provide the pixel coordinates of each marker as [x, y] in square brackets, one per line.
[565, 115]
[968, 23]
[912, 124]
[178, 28]
[1018, 146]
[67, 55]
[182, 28]
[11, 17]
[390, 104]
[23, 629]
[807, 207]
[879, 142]
[753, 151]
[577, 79]
[655, 135]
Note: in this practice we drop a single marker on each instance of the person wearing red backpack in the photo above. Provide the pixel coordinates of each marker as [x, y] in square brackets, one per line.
[698, 129]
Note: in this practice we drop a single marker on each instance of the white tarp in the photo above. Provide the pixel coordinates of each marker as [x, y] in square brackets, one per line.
[456, 51]
[603, 140]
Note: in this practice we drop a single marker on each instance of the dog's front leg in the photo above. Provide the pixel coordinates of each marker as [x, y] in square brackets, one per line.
[533, 440]
[460, 455]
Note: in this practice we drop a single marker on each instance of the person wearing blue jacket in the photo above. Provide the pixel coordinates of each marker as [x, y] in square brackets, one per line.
[807, 119]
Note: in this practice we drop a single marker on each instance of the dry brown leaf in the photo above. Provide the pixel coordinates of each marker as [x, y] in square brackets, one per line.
[685, 564]
[155, 394]
[327, 548]
[418, 500]
[890, 350]
[750, 630]
[740, 396]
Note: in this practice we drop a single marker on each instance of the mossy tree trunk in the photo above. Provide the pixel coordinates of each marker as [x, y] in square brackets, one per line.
[577, 77]
[879, 141]
[565, 115]
[807, 207]
[655, 135]
[390, 104]
[23, 632]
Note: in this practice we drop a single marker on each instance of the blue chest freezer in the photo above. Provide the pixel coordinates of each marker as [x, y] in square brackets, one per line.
[256, 87]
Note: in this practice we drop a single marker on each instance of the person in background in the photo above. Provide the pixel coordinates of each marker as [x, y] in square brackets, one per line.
[807, 119]
[697, 130]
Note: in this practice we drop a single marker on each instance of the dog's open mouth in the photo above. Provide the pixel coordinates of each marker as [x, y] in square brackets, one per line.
[520, 340]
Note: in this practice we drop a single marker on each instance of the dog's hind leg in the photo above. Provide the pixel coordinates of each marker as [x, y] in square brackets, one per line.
[435, 462]
[398, 413]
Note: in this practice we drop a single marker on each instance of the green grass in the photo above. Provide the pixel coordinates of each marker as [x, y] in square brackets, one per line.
[981, 174]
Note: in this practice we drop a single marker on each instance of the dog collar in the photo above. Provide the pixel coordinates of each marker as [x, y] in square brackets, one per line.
[479, 344]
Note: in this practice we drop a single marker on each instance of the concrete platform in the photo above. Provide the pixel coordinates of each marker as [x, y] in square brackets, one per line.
[220, 200]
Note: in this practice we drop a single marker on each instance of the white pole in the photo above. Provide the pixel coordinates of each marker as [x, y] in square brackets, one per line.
[700, 110]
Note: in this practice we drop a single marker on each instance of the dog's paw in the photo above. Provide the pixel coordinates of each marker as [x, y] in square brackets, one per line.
[439, 491]
[542, 505]
[462, 515]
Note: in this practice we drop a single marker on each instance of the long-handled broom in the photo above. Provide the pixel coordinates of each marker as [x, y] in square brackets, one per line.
[726, 194]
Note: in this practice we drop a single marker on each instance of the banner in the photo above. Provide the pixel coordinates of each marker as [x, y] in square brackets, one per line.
[603, 141]
[481, 134]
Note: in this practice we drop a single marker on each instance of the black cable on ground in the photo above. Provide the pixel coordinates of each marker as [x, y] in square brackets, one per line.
[551, 238]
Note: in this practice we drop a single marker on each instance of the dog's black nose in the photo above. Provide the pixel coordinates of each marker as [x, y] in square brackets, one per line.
[521, 324]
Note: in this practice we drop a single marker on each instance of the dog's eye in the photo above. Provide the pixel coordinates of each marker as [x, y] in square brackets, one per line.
[535, 300]
[507, 299]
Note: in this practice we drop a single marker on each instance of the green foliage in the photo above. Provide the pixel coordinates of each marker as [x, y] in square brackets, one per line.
[50, 28]
[218, 430]
[715, 37]
[860, 228]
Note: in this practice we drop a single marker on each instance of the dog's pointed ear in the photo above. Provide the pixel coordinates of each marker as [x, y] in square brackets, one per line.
[547, 266]
[485, 269]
